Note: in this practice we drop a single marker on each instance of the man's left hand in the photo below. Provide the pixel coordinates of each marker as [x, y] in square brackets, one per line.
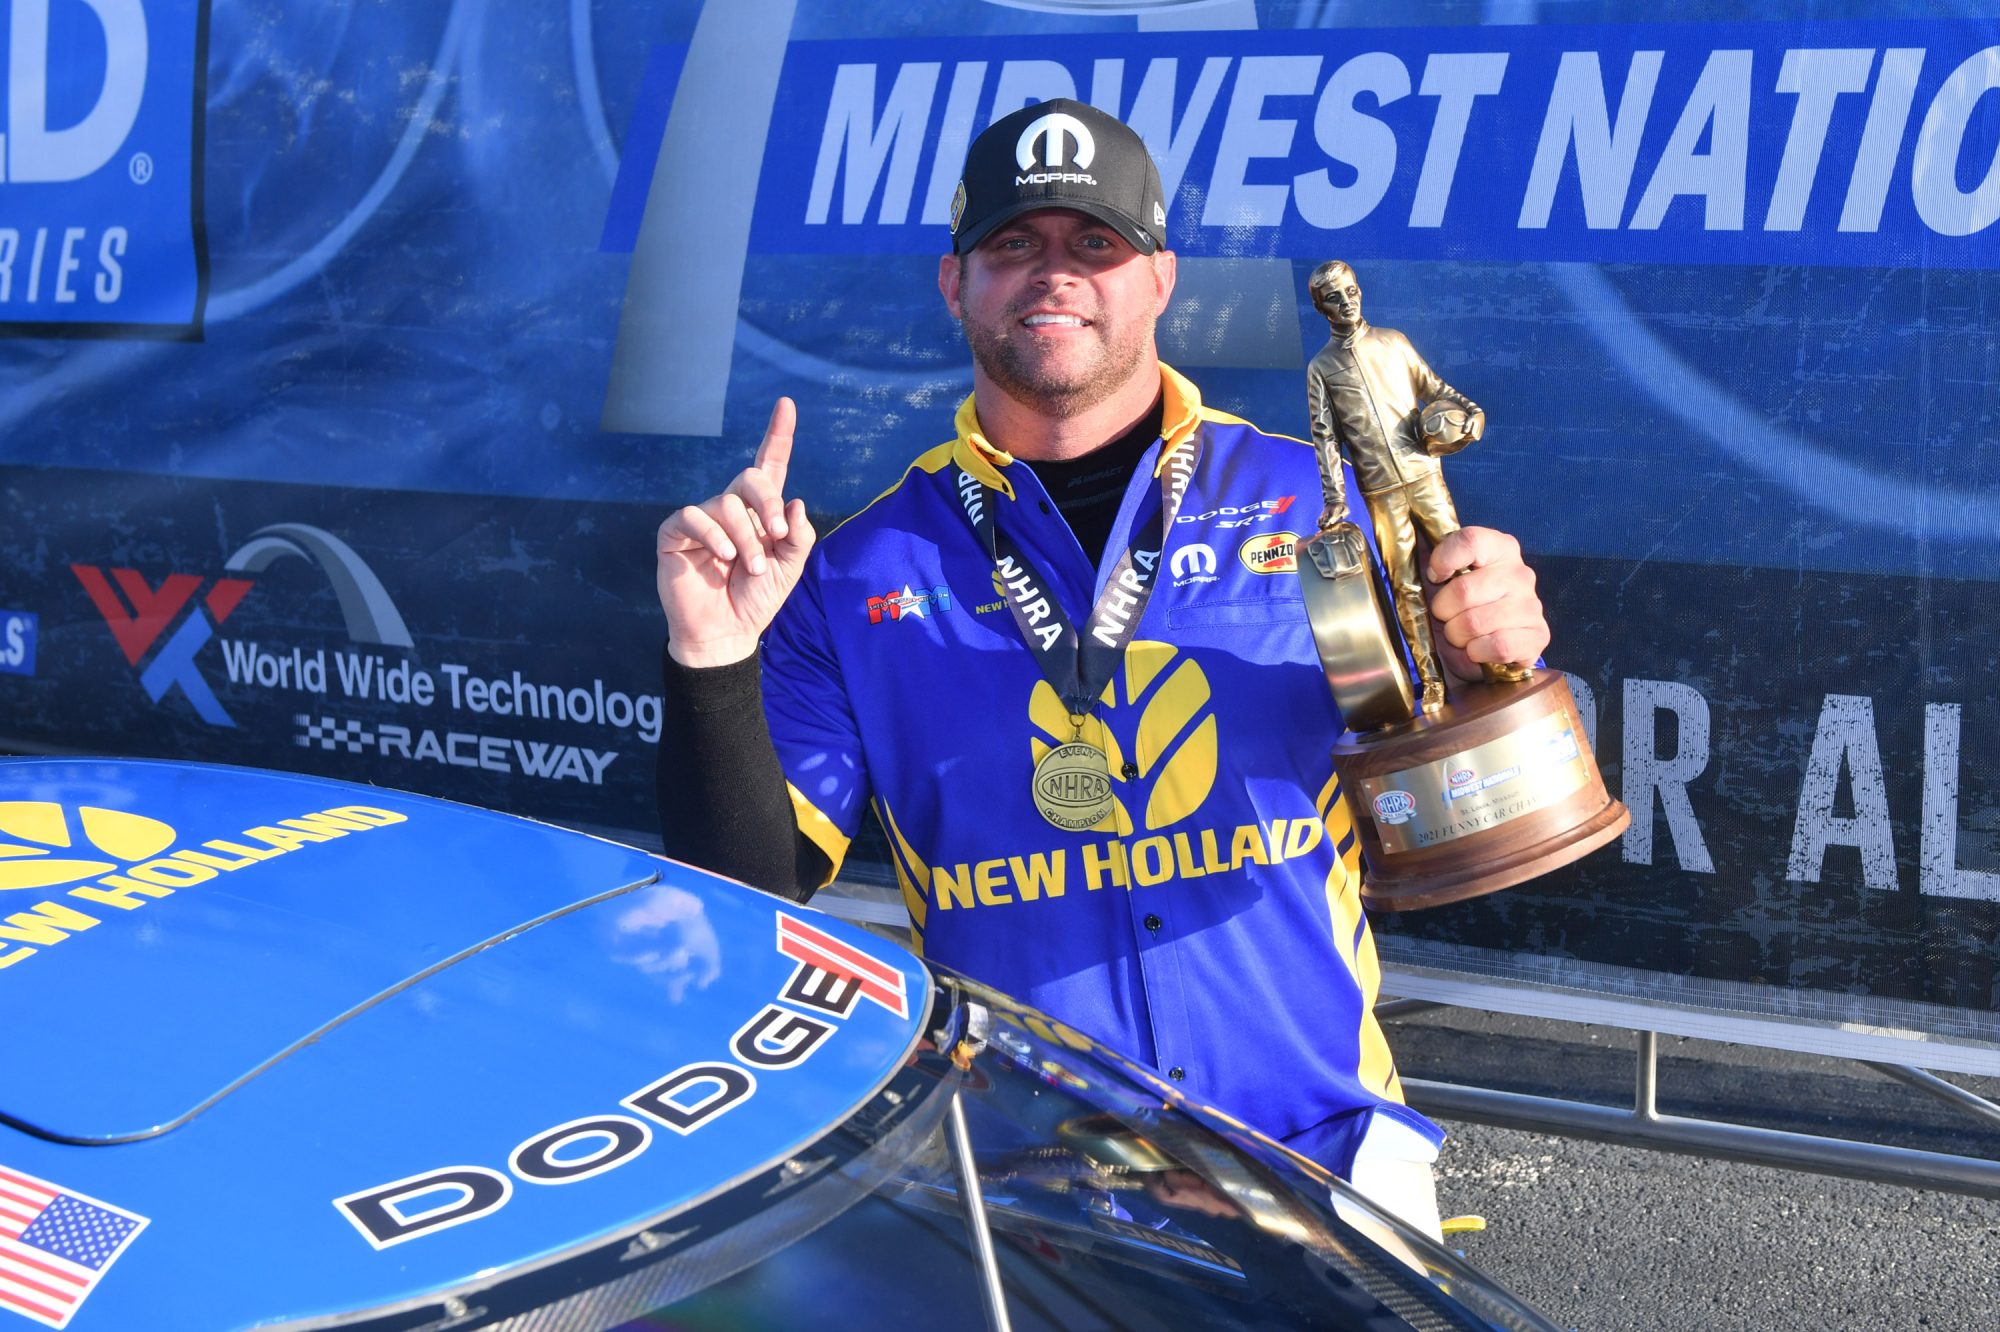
[1482, 599]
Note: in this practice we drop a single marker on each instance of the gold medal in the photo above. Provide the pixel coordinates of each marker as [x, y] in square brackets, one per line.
[1072, 785]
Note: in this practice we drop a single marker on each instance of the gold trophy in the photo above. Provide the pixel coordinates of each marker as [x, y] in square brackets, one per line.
[1456, 793]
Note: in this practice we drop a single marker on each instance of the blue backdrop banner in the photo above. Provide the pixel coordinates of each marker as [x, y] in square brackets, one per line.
[351, 354]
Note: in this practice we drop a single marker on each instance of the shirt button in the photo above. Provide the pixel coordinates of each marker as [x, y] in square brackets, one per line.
[1131, 770]
[1177, 1073]
[1153, 924]
[1045, 506]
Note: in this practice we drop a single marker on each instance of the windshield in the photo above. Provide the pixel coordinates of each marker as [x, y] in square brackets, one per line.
[1102, 1200]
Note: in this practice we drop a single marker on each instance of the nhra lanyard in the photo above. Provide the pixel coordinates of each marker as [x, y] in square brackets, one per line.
[1078, 667]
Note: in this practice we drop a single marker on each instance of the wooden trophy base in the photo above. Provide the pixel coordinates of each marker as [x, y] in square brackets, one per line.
[1495, 789]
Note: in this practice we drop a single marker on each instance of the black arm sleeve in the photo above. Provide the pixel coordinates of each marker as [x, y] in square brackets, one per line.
[722, 796]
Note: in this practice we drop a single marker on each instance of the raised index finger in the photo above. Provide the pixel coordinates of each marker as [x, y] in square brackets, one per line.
[774, 455]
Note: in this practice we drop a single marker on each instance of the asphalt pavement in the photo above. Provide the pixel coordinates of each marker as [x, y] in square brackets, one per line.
[1602, 1236]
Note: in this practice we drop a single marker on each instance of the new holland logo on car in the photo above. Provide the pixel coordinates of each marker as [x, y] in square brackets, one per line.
[120, 862]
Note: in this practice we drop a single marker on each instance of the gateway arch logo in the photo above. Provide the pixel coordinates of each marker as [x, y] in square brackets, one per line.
[139, 614]
[1053, 130]
[364, 603]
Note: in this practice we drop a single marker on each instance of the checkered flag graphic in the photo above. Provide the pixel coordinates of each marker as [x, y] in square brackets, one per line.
[331, 733]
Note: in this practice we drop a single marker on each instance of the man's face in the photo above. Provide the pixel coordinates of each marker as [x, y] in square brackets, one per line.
[1338, 297]
[1058, 308]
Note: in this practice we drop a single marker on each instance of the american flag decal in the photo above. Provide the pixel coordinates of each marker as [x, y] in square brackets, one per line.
[55, 1246]
[878, 981]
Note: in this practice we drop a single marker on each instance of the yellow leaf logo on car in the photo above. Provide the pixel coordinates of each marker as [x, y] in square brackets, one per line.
[33, 832]
[1172, 745]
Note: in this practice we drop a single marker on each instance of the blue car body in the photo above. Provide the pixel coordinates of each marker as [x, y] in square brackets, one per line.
[282, 1051]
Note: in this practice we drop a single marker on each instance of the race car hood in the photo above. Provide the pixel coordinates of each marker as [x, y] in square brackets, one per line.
[298, 1047]
[179, 928]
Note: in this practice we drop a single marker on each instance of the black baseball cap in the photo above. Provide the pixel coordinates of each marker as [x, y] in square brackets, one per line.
[1059, 154]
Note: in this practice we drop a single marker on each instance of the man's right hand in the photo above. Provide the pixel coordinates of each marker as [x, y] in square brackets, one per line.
[728, 563]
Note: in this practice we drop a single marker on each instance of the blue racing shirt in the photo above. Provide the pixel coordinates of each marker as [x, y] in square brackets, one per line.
[1212, 925]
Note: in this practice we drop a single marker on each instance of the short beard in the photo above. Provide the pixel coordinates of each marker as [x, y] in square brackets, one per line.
[1011, 369]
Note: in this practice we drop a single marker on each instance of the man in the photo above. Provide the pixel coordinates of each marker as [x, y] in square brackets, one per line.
[1364, 393]
[1065, 660]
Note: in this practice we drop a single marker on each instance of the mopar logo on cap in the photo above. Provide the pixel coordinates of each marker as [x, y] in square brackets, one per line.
[1052, 128]
[1050, 131]
[1395, 807]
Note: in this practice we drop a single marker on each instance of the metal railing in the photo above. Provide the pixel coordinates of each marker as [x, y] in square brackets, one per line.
[1642, 1124]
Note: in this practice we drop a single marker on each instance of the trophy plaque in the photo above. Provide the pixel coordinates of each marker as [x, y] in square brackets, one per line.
[1458, 789]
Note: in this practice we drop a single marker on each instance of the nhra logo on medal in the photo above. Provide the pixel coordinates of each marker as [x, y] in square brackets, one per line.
[1271, 553]
[1073, 787]
[1395, 807]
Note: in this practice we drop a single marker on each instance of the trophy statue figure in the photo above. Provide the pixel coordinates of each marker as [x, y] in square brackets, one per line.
[1376, 403]
[1457, 791]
